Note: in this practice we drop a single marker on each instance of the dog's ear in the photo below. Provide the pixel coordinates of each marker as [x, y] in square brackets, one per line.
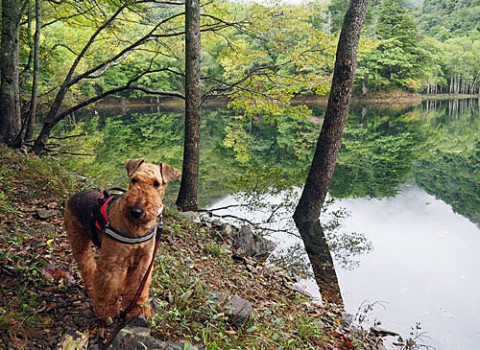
[169, 173]
[132, 165]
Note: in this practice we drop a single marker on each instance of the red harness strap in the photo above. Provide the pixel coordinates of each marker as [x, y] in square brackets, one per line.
[103, 211]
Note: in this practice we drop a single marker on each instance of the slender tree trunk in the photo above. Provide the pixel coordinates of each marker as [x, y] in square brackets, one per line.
[36, 71]
[10, 122]
[187, 197]
[329, 141]
[42, 138]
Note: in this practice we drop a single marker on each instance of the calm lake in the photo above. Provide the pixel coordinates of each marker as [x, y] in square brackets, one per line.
[402, 221]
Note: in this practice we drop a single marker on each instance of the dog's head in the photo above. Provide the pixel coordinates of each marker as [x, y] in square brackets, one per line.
[144, 198]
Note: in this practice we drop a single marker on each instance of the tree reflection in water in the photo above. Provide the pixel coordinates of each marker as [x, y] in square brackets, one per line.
[324, 245]
[321, 261]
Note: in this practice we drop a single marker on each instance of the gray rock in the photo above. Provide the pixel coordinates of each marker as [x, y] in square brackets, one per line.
[226, 249]
[74, 341]
[301, 290]
[247, 243]
[45, 214]
[79, 177]
[347, 319]
[238, 310]
[227, 229]
[319, 323]
[138, 321]
[133, 338]
[207, 224]
[191, 216]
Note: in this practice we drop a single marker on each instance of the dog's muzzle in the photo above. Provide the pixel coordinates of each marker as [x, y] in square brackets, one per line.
[136, 212]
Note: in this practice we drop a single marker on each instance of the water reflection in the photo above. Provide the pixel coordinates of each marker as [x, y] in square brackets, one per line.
[308, 251]
[321, 261]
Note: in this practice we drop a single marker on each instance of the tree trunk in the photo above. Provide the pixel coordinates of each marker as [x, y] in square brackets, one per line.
[329, 141]
[36, 71]
[187, 197]
[42, 138]
[10, 122]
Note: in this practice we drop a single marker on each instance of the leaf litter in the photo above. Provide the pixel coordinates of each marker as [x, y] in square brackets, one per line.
[43, 304]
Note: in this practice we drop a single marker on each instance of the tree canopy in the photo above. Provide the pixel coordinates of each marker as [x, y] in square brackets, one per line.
[260, 55]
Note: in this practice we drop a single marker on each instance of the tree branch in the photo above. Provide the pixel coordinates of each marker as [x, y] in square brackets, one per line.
[141, 41]
[157, 92]
[80, 13]
[220, 20]
[255, 225]
[64, 46]
[128, 86]
[110, 64]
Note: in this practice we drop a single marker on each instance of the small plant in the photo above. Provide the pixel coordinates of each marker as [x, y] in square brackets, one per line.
[5, 207]
[213, 249]
[415, 340]
[363, 311]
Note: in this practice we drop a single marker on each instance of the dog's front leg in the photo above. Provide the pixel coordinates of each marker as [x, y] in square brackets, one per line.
[109, 279]
[134, 277]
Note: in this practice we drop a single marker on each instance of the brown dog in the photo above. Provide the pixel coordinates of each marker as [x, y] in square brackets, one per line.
[127, 240]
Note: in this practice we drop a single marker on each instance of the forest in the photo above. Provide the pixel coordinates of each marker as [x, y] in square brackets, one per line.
[68, 54]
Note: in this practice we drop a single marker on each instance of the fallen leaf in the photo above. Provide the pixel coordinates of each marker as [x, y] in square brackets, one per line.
[56, 275]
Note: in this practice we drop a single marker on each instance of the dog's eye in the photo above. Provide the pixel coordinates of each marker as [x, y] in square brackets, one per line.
[134, 181]
[156, 184]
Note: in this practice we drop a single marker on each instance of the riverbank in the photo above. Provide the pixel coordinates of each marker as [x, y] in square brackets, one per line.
[43, 304]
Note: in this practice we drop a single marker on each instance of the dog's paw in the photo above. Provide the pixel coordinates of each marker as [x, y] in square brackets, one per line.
[145, 311]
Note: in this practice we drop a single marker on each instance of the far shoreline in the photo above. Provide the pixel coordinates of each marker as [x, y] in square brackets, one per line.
[390, 100]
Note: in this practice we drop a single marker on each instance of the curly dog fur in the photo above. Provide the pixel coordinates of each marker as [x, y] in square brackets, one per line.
[112, 279]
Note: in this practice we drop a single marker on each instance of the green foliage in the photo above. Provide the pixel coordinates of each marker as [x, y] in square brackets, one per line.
[273, 53]
[281, 55]
[445, 19]
[5, 207]
[398, 59]
[237, 139]
[337, 10]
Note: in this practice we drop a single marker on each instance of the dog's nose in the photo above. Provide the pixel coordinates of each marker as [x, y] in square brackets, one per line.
[136, 212]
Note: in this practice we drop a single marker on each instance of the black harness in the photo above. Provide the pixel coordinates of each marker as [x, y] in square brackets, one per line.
[100, 223]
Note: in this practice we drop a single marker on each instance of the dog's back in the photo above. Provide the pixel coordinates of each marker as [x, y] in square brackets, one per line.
[81, 206]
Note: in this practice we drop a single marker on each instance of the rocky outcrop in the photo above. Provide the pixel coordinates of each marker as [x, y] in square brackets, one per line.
[247, 243]
[244, 240]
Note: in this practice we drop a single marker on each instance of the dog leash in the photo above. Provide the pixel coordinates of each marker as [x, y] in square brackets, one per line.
[123, 321]
[141, 287]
